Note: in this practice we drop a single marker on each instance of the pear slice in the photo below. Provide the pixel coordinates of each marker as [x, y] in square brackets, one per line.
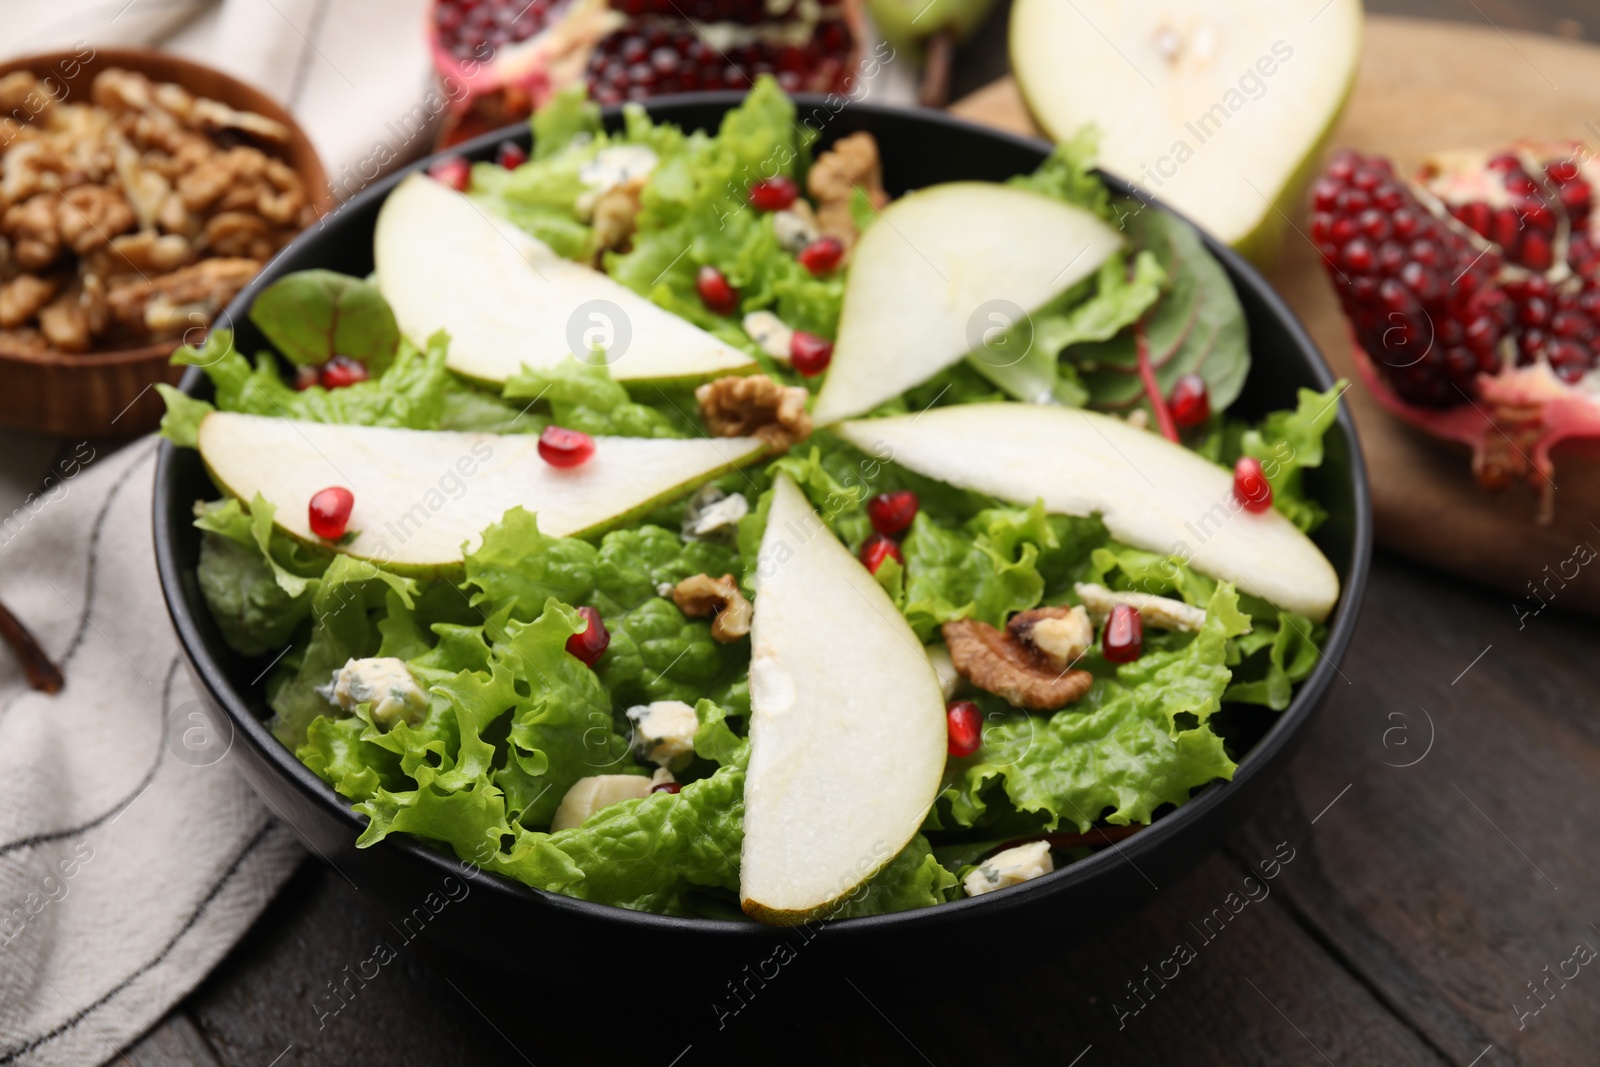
[422, 497]
[847, 724]
[1218, 107]
[508, 300]
[1151, 493]
[941, 268]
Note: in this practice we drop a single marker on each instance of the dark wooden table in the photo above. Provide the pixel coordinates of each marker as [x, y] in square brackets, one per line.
[1441, 817]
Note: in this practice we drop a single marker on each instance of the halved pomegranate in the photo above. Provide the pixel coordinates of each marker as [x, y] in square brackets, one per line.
[1473, 294]
[500, 59]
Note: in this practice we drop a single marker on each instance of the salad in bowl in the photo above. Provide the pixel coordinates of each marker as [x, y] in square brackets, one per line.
[677, 521]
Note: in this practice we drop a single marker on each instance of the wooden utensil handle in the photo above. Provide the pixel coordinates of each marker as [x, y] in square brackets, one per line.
[42, 674]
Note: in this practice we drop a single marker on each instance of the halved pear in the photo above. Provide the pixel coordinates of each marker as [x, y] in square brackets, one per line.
[847, 724]
[1151, 493]
[938, 271]
[1218, 107]
[508, 300]
[421, 498]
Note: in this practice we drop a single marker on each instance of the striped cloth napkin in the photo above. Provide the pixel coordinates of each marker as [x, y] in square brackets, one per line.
[132, 854]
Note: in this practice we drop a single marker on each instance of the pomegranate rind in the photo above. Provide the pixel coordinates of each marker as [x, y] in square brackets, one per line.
[1520, 415]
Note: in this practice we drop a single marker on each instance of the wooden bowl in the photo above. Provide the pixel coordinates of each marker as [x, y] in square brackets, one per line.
[109, 394]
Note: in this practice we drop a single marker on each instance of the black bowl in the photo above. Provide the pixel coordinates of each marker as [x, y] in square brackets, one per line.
[496, 920]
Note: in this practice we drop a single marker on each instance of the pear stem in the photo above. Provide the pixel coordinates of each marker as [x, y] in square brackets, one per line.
[43, 675]
[935, 91]
[1152, 388]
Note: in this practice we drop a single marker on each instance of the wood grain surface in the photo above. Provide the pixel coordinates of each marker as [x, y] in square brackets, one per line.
[1426, 86]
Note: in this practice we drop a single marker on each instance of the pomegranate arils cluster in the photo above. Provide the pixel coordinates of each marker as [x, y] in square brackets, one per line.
[1474, 294]
[513, 55]
[1411, 285]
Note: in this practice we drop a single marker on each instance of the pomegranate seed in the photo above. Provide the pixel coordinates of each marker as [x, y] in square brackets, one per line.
[590, 644]
[561, 447]
[822, 256]
[891, 513]
[810, 354]
[453, 171]
[716, 294]
[330, 512]
[1250, 485]
[1123, 639]
[877, 548]
[510, 155]
[964, 725]
[666, 787]
[774, 194]
[1190, 401]
[306, 377]
[341, 371]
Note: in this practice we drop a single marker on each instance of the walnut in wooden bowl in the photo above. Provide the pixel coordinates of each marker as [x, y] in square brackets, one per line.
[139, 193]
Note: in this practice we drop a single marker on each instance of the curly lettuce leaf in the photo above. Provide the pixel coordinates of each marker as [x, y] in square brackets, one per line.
[1137, 741]
[913, 879]
[1069, 175]
[1001, 561]
[181, 422]
[1291, 653]
[256, 581]
[410, 393]
[583, 396]
[343, 603]
[517, 569]
[1288, 442]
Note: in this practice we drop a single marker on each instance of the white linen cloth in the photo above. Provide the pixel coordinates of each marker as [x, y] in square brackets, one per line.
[132, 854]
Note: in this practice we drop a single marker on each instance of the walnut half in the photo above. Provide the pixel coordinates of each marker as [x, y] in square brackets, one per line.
[756, 406]
[703, 595]
[999, 663]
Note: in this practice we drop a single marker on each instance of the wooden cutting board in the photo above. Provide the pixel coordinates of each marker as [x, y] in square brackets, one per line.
[1426, 86]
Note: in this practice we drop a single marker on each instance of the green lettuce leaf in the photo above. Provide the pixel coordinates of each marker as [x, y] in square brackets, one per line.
[410, 393]
[1291, 655]
[343, 604]
[583, 396]
[517, 569]
[181, 423]
[1288, 442]
[1134, 743]
[256, 581]
[913, 879]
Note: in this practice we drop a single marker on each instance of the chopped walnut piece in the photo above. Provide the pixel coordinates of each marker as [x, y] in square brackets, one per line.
[703, 595]
[1058, 636]
[22, 298]
[93, 214]
[1164, 613]
[998, 663]
[755, 405]
[614, 213]
[852, 163]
